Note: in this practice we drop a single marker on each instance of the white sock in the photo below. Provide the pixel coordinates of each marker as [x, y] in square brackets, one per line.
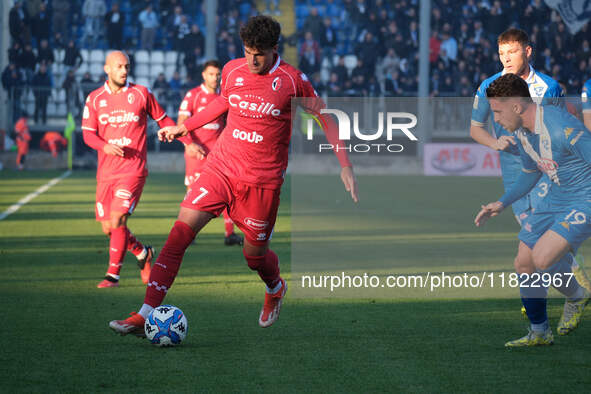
[274, 289]
[145, 310]
[540, 328]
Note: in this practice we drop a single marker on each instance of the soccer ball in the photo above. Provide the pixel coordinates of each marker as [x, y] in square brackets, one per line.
[166, 325]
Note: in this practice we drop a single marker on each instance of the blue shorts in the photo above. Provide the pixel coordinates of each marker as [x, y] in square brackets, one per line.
[573, 224]
[523, 207]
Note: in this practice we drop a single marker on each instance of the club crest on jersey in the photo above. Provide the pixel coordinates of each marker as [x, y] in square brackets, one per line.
[203, 100]
[539, 90]
[130, 98]
[239, 81]
[102, 103]
[276, 84]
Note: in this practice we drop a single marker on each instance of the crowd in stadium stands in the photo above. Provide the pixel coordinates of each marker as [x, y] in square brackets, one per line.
[383, 35]
[347, 47]
[39, 29]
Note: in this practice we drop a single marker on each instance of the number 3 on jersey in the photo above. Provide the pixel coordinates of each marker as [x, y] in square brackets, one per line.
[544, 187]
[199, 197]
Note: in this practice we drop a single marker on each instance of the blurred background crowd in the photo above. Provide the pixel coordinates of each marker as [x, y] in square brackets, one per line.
[347, 47]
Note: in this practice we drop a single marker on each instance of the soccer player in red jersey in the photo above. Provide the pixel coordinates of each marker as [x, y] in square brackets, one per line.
[244, 173]
[204, 138]
[114, 123]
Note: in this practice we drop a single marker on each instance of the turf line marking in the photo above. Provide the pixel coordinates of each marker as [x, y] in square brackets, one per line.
[15, 207]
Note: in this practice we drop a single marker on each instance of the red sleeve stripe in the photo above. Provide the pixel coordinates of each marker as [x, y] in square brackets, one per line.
[88, 128]
[160, 118]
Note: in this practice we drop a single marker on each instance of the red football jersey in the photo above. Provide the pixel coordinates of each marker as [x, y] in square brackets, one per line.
[195, 100]
[254, 144]
[121, 119]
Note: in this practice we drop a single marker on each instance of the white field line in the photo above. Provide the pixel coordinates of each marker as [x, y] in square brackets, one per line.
[15, 207]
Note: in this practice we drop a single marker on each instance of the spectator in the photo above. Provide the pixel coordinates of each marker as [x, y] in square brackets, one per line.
[61, 13]
[94, 13]
[434, 47]
[45, 53]
[72, 89]
[114, 21]
[496, 21]
[340, 70]
[58, 41]
[72, 56]
[193, 39]
[478, 32]
[360, 69]
[449, 43]
[12, 81]
[367, 51]
[176, 87]
[373, 87]
[40, 24]
[391, 85]
[193, 63]
[42, 90]
[328, 39]
[309, 54]
[149, 22]
[14, 52]
[18, 22]
[87, 84]
[28, 62]
[313, 24]
[160, 87]
[182, 31]
[389, 64]
[334, 86]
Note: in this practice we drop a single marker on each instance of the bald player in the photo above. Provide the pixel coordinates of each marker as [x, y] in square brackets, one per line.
[114, 124]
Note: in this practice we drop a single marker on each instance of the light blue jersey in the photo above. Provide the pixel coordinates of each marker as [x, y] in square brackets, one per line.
[560, 147]
[585, 96]
[543, 89]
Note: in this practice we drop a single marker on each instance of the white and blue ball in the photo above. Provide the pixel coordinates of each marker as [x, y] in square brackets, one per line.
[166, 325]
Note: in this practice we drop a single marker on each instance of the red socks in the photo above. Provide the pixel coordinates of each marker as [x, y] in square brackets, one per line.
[228, 224]
[117, 249]
[267, 266]
[168, 263]
[133, 245]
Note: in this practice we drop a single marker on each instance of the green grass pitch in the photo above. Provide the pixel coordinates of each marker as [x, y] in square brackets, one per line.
[54, 335]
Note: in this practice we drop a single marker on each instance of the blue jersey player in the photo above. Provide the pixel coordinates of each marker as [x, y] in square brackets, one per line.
[552, 142]
[514, 53]
[586, 103]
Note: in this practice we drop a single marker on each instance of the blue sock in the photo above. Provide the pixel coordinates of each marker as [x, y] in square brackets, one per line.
[534, 301]
[535, 308]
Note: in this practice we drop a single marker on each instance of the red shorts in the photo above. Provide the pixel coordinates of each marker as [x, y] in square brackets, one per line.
[193, 168]
[118, 195]
[253, 209]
